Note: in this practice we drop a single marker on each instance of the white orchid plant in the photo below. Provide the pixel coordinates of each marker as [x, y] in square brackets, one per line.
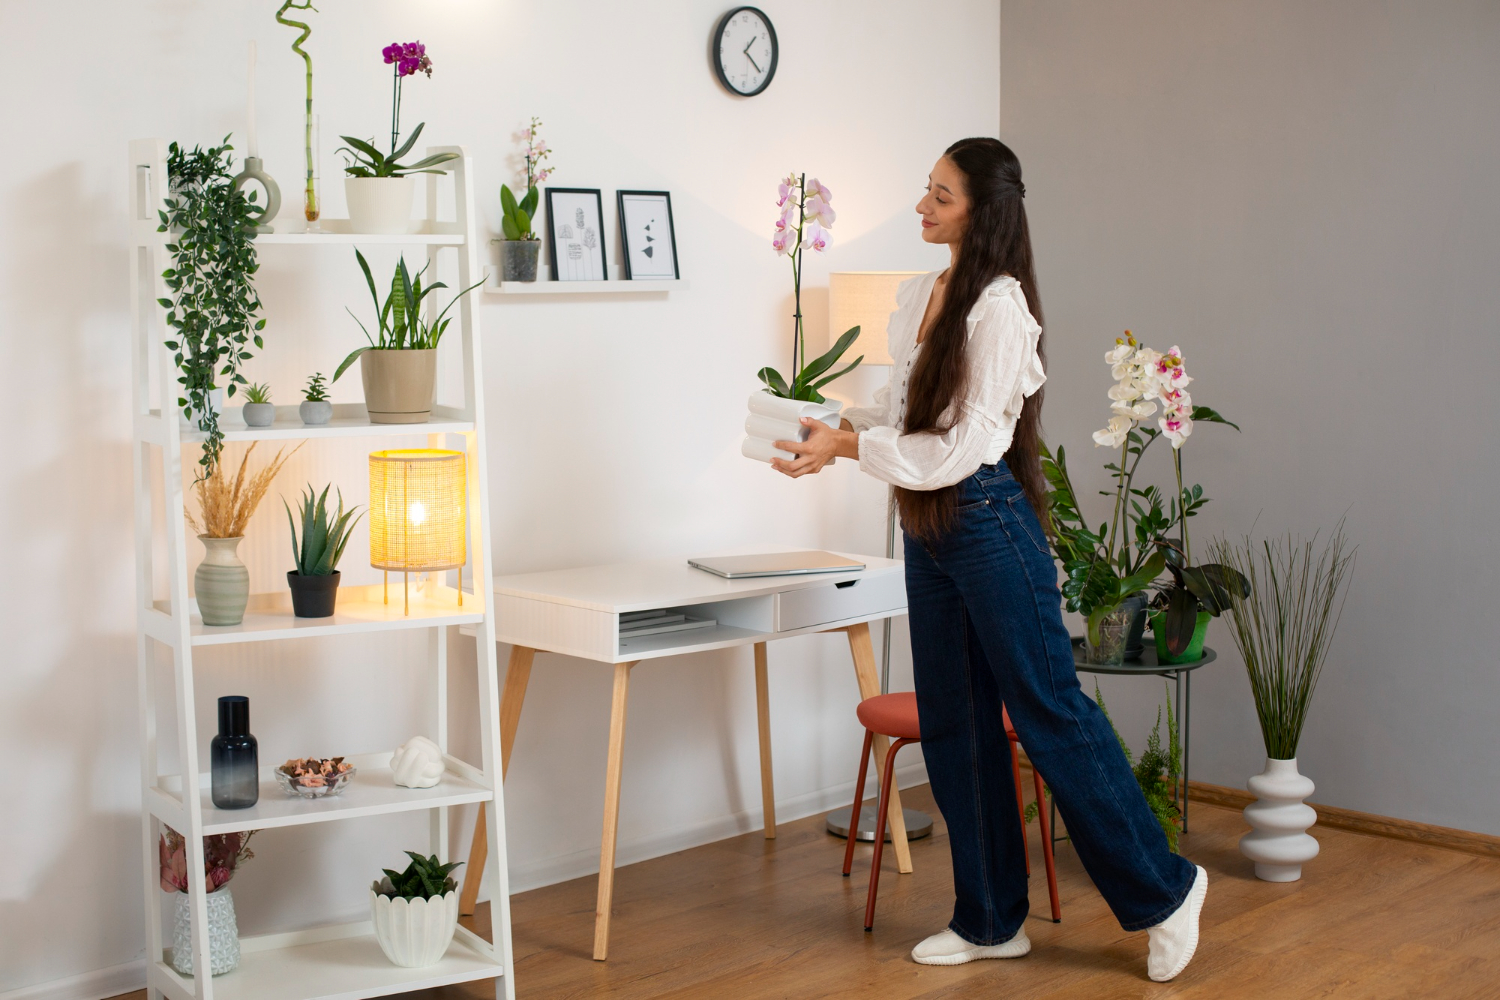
[1132, 550]
[804, 217]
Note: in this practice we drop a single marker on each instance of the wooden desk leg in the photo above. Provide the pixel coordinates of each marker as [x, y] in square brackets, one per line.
[869, 686]
[763, 713]
[611, 811]
[511, 699]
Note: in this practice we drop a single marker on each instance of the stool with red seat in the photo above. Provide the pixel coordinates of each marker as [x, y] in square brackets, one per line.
[895, 716]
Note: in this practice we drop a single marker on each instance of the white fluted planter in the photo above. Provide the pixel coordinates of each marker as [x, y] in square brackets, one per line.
[414, 932]
[1278, 841]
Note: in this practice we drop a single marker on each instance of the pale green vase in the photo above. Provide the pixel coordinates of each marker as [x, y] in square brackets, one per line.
[222, 582]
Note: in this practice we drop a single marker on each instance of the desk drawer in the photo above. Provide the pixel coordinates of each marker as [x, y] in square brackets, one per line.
[878, 590]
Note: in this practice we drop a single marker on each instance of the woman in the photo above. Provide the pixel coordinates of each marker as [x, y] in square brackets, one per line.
[957, 432]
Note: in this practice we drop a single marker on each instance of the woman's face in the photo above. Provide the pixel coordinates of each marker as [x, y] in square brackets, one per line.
[945, 207]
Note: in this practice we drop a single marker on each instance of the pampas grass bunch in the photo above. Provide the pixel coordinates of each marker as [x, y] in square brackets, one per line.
[226, 505]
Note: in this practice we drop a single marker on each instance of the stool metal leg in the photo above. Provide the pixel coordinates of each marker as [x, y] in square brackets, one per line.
[859, 796]
[880, 810]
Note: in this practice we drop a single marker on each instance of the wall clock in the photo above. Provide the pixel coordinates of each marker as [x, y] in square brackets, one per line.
[745, 51]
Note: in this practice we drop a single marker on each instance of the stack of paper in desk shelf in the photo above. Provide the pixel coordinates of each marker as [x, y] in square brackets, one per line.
[637, 623]
[774, 419]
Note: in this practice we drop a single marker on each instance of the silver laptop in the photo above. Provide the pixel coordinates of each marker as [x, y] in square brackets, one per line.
[775, 564]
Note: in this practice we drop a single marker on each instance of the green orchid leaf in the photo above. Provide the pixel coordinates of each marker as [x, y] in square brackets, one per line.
[508, 203]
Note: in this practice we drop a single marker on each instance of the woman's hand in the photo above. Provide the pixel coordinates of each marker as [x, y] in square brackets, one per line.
[823, 444]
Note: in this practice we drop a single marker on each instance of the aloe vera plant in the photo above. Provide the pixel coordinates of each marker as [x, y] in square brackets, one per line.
[402, 327]
[324, 533]
[424, 878]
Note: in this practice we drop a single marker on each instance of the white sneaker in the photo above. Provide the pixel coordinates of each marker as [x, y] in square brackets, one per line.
[948, 948]
[1174, 940]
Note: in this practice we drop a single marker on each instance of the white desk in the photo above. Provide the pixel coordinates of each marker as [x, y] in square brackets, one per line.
[576, 612]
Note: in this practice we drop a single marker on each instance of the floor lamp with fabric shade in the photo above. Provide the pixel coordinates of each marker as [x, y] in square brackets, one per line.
[417, 513]
[866, 299]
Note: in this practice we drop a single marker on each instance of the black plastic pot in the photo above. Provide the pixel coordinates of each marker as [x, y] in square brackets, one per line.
[1134, 639]
[313, 596]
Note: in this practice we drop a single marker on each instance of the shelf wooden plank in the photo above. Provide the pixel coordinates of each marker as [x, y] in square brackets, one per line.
[360, 609]
[342, 962]
[349, 420]
[290, 231]
[372, 792]
[641, 287]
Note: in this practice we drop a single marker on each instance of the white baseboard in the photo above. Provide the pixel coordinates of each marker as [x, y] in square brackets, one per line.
[96, 985]
[561, 868]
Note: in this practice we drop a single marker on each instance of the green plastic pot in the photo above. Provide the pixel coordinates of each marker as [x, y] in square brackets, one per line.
[1194, 650]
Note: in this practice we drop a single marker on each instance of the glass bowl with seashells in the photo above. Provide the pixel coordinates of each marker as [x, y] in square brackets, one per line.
[314, 777]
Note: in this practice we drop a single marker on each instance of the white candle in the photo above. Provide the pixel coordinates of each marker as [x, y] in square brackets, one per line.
[254, 146]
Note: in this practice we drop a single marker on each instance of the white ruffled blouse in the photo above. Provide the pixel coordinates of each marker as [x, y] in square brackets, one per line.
[1003, 370]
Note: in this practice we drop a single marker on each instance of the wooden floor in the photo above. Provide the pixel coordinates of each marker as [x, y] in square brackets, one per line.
[751, 918]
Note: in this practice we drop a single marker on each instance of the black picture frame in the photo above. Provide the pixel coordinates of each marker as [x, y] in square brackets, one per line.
[562, 266]
[629, 249]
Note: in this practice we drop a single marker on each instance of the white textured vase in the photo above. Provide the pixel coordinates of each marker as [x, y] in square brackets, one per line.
[414, 932]
[380, 204]
[223, 934]
[1278, 841]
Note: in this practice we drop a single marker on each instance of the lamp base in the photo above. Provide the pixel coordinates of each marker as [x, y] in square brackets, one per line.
[918, 824]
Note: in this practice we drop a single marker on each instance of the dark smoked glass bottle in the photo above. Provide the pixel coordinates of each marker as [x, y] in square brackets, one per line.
[234, 758]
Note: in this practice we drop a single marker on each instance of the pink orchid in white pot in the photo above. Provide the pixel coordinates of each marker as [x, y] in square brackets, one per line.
[804, 219]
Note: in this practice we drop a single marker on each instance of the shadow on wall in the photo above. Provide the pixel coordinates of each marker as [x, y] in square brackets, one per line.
[68, 691]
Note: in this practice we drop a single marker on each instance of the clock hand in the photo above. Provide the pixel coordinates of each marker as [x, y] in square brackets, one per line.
[752, 58]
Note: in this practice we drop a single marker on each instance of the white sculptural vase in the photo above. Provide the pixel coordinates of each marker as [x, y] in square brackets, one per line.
[1278, 841]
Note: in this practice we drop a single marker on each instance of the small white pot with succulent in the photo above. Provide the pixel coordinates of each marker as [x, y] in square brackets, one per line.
[378, 186]
[316, 409]
[416, 911]
[258, 410]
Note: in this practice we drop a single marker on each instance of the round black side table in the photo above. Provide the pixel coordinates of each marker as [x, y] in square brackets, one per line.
[1181, 675]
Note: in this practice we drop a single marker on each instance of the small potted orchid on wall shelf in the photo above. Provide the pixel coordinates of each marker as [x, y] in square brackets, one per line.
[1108, 570]
[379, 187]
[805, 217]
[520, 248]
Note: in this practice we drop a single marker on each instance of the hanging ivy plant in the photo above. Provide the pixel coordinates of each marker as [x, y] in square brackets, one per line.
[214, 309]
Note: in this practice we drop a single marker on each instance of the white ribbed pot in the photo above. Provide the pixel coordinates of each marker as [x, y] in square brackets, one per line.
[380, 204]
[1278, 841]
[414, 932]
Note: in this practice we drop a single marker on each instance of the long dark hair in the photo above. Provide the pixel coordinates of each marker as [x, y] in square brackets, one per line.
[997, 241]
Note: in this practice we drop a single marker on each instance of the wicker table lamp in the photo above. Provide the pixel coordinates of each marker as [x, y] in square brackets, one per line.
[417, 513]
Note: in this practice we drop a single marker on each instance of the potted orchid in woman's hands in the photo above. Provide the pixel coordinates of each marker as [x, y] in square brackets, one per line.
[1107, 570]
[805, 217]
[379, 186]
[520, 247]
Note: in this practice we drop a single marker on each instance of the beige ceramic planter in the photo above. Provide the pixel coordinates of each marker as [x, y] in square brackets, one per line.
[400, 386]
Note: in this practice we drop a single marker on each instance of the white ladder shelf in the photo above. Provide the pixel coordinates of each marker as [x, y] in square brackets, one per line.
[341, 960]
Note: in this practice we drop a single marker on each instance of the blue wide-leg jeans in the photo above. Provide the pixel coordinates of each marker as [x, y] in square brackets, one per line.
[987, 629]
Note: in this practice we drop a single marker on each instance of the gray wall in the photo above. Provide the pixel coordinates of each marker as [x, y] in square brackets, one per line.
[1304, 197]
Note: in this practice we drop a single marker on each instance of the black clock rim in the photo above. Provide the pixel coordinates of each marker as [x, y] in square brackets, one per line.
[719, 38]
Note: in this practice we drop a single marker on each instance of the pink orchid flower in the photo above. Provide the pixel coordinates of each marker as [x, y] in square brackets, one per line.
[816, 190]
[785, 191]
[782, 240]
[815, 237]
[819, 209]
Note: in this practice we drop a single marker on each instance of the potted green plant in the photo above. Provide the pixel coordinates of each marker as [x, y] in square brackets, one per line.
[315, 409]
[1158, 771]
[520, 248]
[399, 367]
[258, 410]
[316, 553]
[416, 911]
[378, 186]
[1283, 627]
[1180, 613]
[223, 853]
[1108, 570]
[213, 310]
[221, 583]
[804, 222]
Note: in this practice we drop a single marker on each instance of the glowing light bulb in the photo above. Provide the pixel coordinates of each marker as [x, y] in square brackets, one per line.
[417, 513]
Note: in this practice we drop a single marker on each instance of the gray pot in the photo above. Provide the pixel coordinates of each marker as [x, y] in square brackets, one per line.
[400, 386]
[258, 414]
[221, 582]
[518, 259]
[315, 412]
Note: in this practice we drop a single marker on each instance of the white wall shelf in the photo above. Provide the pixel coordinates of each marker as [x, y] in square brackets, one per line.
[642, 287]
[342, 961]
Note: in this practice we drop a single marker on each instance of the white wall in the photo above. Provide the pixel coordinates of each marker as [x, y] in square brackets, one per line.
[614, 424]
[1302, 196]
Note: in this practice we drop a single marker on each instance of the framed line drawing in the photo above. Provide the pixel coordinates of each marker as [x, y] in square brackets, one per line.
[647, 236]
[575, 231]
